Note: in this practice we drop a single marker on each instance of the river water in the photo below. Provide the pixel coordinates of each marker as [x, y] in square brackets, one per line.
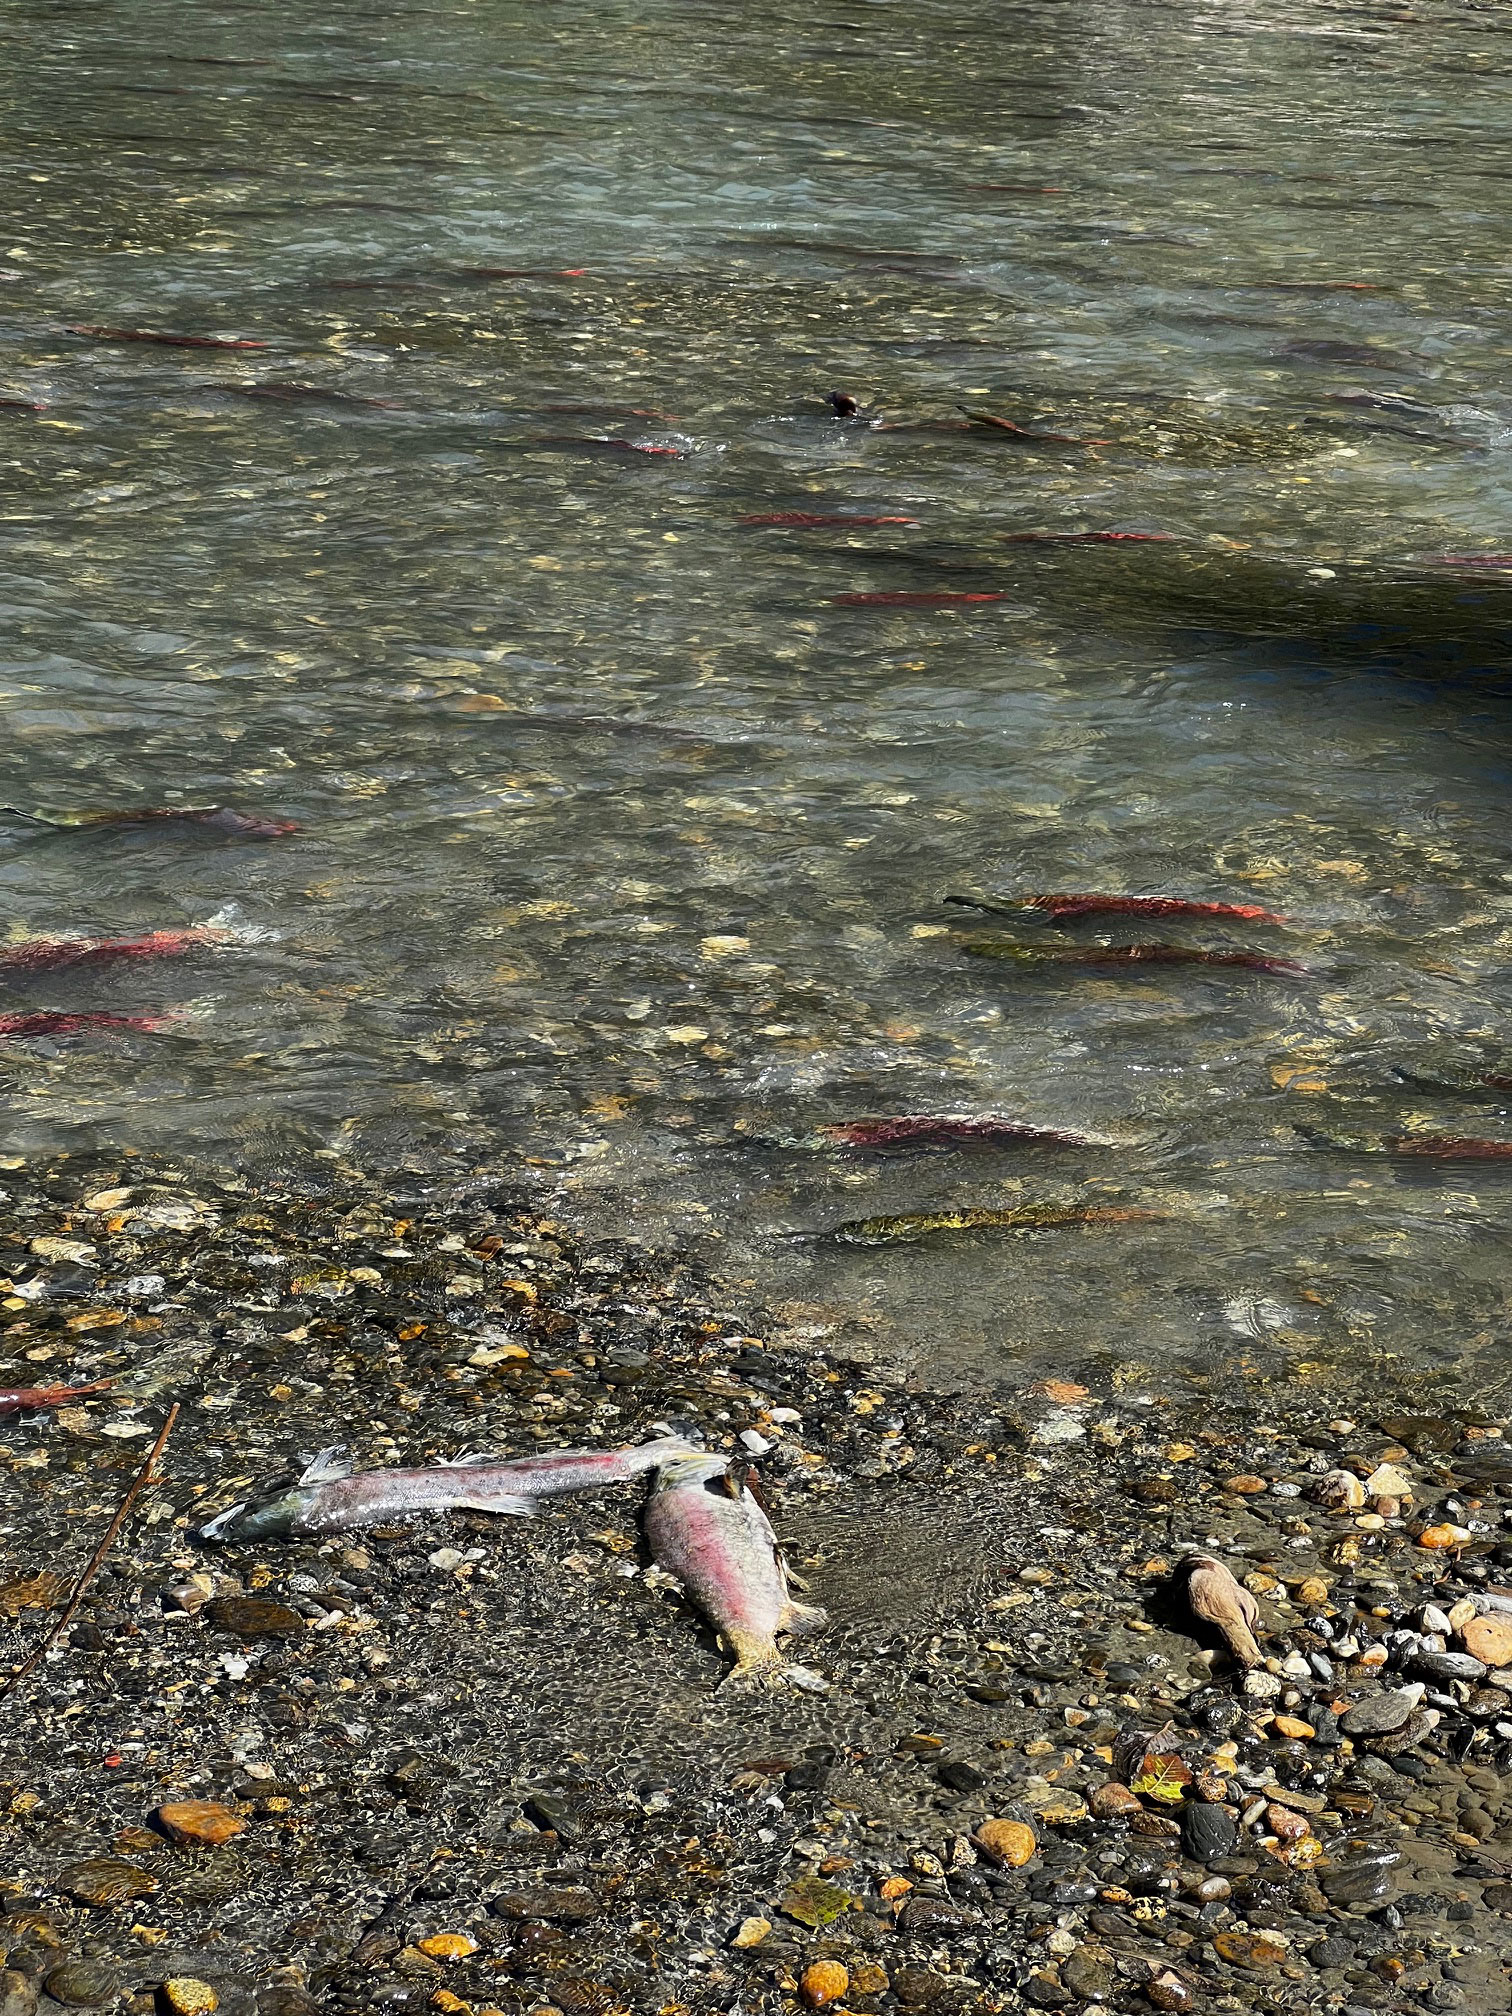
[622, 835]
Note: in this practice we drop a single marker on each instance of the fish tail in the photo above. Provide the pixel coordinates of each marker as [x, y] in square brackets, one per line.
[1242, 1643]
[759, 1667]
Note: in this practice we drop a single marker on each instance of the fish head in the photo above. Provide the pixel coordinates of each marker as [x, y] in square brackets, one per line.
[688, 1472]
[279, 1515]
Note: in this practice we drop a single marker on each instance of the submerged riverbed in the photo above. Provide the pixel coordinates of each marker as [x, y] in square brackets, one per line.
[624, 822]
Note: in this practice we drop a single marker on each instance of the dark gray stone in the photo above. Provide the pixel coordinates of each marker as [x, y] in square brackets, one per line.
[1376, 1715]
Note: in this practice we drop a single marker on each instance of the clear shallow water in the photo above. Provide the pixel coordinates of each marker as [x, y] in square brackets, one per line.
[622, 843]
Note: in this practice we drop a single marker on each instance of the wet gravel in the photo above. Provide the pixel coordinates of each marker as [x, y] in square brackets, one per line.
[474, 1764]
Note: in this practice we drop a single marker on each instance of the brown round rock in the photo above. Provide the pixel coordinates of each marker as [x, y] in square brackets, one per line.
[825, 1981]
[1247, 1487]
[1168, 1991]
[199, 1823]
[1009, 1843]
[1489, 1639]
[1241, 1950]
[1112, 1801]
[104, 1880]
[1286, 1825]
[84, 1984]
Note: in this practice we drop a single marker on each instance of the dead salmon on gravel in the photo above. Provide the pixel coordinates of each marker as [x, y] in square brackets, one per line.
[330, 1498]
[706, 1528]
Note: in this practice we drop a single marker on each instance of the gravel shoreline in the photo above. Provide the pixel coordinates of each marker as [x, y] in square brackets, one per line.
[474, 1764]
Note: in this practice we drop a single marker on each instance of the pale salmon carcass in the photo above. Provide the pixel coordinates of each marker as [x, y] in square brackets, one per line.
[706, 1528]
[329, 1499]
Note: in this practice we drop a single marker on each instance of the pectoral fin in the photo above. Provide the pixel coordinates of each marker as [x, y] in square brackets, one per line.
[803, 1620]
[329, 1467]
[495, 1501]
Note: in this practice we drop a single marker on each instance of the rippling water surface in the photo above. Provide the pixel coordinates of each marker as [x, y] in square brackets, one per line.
[622, 833]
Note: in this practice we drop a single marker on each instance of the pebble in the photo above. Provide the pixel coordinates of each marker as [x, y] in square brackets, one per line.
[1340, 1491]
[84, 1984]
[1168, 1991]
[824, 1981]
[1387, 1481]
[1008, 1843]
[1488, 1639]
[199, 1823]
[18, 1992]
[1364, 1879]
[1207, 1831]
[1448, 1665]
[187, 1995]
[1239, 1949]
[1112, 1801]
[918, 1987]
[1286, 1825]
[447, 1945]
[1292, 1727]
[1088, 1976]
[1377, 1715]
[1439, 1537]
[104, 1880]
[553, 1903]
[750, 1932]
[1331, 1952]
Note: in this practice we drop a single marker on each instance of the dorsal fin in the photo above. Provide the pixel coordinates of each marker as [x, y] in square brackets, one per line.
[329, 1466]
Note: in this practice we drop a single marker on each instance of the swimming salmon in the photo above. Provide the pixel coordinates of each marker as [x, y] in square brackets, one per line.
[929, 1130]
[909, 1225]
[979, 418]
[1087, 905]
[329, 1499]
[293, 391]
[245, 825]
[54, 1022]
[1133, 955]
[175, 341]
[1087, 538]
[49, 955]
[1466, 1085]
[706, 1528]
[815, 520]
[1449, 1147]
[910, 599]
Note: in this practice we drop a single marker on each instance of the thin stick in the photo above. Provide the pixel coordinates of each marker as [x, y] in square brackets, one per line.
[71, 1608]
